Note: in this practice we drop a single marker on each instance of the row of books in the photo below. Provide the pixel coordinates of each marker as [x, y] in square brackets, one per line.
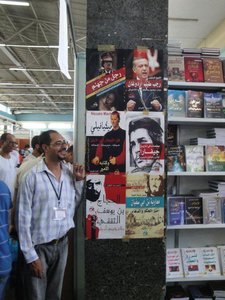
[212, 290]
[196, 104]
[191, 209]
[195, 262]
[196, 68]
[196, 158]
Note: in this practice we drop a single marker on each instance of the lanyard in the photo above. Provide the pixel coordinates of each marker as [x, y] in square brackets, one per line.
[60, 191]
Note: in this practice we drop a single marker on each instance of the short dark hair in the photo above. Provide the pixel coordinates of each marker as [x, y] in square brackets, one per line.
[35, 141]
[153, 128]
[70, 149]
[106, 54]
[45, 138]
[116, 113]
[4, 137]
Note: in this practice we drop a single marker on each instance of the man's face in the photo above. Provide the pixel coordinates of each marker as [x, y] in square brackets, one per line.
[154, 183]
[10, 144]
[107, 64]
[57, 148]
[93, 189]
[138, 137]
[141, 68]
[110, 98]
[114, 121]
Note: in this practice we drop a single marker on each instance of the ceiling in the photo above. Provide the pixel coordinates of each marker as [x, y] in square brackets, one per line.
[30, 81]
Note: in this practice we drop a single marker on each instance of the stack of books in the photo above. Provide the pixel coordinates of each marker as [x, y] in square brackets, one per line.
[218, 290]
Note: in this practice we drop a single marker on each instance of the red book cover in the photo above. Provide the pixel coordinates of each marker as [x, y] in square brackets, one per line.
[193, 69]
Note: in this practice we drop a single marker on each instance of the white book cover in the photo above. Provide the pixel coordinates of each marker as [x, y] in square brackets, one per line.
[212, 210]
[192, 262]
[195, 161]
[221, 250]
[210, 261]
[174, 266]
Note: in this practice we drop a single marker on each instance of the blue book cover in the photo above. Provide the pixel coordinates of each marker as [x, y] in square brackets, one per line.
[176, 103]
[176, 210]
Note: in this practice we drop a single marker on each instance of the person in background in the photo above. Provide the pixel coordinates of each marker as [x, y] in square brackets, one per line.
[8, 162]
[36, 149]
[5, 254]
[47, 198]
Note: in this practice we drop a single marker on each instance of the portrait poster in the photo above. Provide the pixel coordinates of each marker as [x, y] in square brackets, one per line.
[105, 206]
[144, 185]
[105, 80]
[145, 140]
[144, 80]
[145, 217]
[105, 142]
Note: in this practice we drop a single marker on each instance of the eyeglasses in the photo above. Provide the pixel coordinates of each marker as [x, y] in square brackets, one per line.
[12, 143]
[59, 143]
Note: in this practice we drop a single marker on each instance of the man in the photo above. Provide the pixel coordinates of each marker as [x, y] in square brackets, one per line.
[107, 102]
[142, 98]
[93, 189]
[146, 147]
[36, 149]
[106, 63]
[5, 255]
[110, 153]
[155, 185]
[8, 162]
[47, 198]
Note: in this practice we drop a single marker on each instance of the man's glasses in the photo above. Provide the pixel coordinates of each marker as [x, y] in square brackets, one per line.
[12, 143]
[59, 143]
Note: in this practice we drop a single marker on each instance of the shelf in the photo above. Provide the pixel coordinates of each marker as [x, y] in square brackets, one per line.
[183, 120]
[193, 226]
[195, 173]
[197, 278]
[198, 85]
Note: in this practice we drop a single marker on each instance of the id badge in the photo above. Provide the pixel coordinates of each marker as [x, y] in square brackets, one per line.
[59, 214]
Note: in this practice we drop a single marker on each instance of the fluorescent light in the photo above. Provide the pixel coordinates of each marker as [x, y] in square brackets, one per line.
[20, 3]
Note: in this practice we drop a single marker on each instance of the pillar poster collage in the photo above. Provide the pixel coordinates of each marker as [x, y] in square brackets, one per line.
[125, 139]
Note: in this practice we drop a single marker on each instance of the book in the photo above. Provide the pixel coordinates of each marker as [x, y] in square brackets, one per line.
[222, 200]
[175, 159]
[193, 210]
[194, 156]
[200, 292]
[176, 210]
[172, 135]
[195, 104]
[218, 289]
[192, 262]
[215, 158]
[204, 193]
[221, 252]
[174, 267]
[175, 292]
[202, 141]
[193, 69]
[176, 103]
[213, 107]
[210, 261]
[211, 210]
[223, 67]
[212, 69]
[176, 68]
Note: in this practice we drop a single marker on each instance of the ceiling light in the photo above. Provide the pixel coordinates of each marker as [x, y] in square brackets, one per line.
[20, 3]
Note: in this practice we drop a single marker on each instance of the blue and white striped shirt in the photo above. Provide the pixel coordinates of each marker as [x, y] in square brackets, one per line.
[35, 207]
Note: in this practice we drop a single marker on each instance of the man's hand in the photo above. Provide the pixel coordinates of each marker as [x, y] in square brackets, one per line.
[78, 172]
[95, 160]
[36, 268]
[131, 105]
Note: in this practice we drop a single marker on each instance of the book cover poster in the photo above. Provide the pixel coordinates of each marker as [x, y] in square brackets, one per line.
[193, 210]
[105, 142]
[192, 262]
[215, 158]
[176, 159]
[193, 69]
[145, 217]
[176, 210]
[195, 104]
[145, 142]
[105, 206]
[141, 185]
[213, 71]
[176, 68]
[195, 159]
[144, 84]
[210, 261]
[176, 103]
[213, 107]
[212, 210]
[174, 266]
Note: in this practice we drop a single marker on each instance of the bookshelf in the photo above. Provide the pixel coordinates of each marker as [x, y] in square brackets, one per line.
[191, 235]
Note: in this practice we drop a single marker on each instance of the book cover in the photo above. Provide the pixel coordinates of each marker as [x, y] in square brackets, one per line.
[221, 252]
[172, 135]
[176, 210]
[211, 210]
[200, 292]
[176, 103]
[176, 159]
[213, 107]
[192, 262]
[193, 210]
[212, 68]
[222, 200]
[195, 104]
[215, 158]
[174, 266]
[210, 261]
[176, 68]
[193, 69]
[194, 156]
[223, 67]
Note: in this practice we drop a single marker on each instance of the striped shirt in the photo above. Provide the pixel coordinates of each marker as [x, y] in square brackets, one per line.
[5, 205]
[36, 204]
